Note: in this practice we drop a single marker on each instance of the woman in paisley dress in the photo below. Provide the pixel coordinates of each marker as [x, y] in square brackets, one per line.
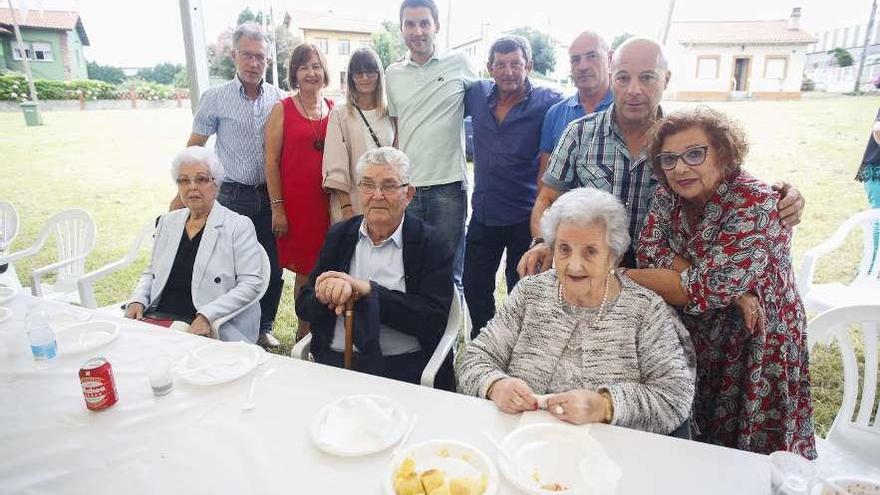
[713, 246]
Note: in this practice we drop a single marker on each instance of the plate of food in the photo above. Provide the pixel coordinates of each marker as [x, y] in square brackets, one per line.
[218, 362]
[543, 459]
[853, 486]
[358, 425]
[6, 293]
[85, 337]
[441, 467]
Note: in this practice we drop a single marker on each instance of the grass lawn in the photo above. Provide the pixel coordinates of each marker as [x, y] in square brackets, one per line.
[115, 164]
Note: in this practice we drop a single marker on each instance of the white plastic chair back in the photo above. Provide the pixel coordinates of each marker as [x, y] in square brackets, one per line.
[86, 282]
[265, 274]
[75, 238]
[9, 228]
[856, 429]
[865, 287]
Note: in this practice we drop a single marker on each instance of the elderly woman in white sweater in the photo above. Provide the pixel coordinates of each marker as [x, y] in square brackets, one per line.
[600, 347]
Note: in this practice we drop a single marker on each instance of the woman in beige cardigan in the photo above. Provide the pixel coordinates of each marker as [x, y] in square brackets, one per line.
[356, 126]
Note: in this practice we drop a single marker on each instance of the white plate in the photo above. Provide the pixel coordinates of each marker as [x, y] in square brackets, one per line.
[358, 425]
[556, 453]
[85, 337]
[5, 313]
[455, 459]
[62, 318]
[6, 293]
[218, 362]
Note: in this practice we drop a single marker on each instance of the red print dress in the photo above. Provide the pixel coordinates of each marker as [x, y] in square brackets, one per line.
[753, 389]
[306, 205]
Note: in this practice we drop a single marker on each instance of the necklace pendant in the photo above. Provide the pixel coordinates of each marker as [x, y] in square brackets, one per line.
[318, 144]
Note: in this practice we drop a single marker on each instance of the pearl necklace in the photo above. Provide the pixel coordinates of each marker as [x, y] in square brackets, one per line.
[601, 311]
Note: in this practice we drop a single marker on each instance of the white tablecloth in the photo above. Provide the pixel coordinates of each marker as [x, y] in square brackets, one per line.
[198, 440]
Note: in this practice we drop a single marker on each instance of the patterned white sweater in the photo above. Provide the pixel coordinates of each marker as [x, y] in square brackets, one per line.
[639, 352]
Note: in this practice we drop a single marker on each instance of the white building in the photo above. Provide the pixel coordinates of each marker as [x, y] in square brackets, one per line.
[336, 35]
[825, 73]
[737, 59]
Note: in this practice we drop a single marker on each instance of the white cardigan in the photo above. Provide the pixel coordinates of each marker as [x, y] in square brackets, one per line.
[226, 272]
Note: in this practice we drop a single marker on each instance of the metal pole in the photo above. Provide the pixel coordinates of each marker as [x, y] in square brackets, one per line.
[668, 20]
[868, 33]
[24, 58]
[273, 47]
[448, 23]
[195, 48]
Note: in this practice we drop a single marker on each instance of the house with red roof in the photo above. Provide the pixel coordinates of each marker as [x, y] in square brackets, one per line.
[53, 43]
[727, 60]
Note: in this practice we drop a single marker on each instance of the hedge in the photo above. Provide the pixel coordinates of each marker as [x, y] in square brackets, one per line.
[13, 86]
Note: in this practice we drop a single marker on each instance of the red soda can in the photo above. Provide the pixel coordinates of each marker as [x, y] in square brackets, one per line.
[99, 387]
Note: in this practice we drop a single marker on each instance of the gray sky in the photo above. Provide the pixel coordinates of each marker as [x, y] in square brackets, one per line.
[139, 33]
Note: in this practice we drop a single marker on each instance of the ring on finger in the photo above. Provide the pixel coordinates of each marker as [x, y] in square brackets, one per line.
[517, 401]
[559, 410]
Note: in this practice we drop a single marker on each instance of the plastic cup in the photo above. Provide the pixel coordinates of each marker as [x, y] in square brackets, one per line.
[791, 474]
[159, 374]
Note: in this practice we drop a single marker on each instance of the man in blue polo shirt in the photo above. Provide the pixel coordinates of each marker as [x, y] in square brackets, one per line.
[507, 114]
[236, 113]
[588, 56]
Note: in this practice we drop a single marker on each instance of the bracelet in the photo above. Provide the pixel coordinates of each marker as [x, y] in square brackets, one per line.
[622, 271]
[275, 201]
[346, 205]
[609, 407]
[536, 241]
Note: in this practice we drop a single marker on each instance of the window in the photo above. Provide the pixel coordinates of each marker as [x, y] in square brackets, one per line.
[42, 51]
[707, 67]
[775, 67]
[321, 43]
[344, 47]
[343, 82]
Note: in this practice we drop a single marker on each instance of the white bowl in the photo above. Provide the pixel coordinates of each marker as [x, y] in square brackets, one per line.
[455, 459]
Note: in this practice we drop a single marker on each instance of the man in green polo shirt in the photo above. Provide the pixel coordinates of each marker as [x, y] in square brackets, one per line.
[426, 94]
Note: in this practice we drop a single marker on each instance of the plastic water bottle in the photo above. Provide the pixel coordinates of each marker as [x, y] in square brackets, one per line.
[40, 336]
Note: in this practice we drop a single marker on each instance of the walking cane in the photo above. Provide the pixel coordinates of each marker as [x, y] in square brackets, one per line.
[349, 333]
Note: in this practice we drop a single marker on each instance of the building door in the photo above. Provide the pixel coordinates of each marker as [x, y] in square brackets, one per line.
[741, 75]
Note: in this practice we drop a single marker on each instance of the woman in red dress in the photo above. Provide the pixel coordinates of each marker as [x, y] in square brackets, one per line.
[714, 246]
[295, 134]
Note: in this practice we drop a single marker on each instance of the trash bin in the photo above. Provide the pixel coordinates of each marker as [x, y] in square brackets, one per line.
[31, 113]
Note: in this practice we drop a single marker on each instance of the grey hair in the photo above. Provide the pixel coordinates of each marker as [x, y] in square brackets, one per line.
[600, 41]
[250, 30]
[202, 156]
[385, 155]
[587, 206]
[662, 63]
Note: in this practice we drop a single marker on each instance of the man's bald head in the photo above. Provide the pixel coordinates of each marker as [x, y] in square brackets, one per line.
[639, 75]
[644, 48]
[588, 56]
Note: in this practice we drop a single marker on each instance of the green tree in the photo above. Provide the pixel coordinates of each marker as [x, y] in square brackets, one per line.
[619, 39]
[160, 73]
[220, 61]
[842, 57]
[181, 79]
[106, 73]
[543, 52]
[247, 15]
[389, 43]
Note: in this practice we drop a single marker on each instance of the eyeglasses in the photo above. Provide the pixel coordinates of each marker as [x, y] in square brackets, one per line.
[252, 57]
[365, 74]
[385, 187]
[692, 156]
[199, 180]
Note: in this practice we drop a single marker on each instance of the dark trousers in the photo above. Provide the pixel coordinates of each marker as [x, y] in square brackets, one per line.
[444, 207]
[404, 367]
[253, 202]
[483, 250]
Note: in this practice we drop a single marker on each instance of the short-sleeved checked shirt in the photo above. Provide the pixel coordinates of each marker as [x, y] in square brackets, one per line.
[593, 153]
[239, 123]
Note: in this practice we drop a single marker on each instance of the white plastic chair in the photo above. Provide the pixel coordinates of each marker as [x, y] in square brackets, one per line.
[9, 228]
[75, 233]
[859, 439]
[864, 289]
[265, 273]
[456, 323]
[86, 282]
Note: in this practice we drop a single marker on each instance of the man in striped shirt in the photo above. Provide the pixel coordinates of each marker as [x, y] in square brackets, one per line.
[606, 150]
[236, 113]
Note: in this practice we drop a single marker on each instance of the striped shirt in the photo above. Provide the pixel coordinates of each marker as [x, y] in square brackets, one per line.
[238, 121]
[593, 153]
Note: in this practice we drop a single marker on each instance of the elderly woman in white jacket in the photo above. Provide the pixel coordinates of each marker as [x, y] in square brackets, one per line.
[206, 260]
[591, 344]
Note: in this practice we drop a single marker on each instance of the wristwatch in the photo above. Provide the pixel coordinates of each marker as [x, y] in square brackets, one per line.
[536, 241]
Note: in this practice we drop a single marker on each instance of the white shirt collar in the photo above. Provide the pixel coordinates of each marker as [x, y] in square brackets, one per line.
[396, 237]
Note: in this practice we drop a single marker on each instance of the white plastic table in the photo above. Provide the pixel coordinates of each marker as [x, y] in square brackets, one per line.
[198, 440]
